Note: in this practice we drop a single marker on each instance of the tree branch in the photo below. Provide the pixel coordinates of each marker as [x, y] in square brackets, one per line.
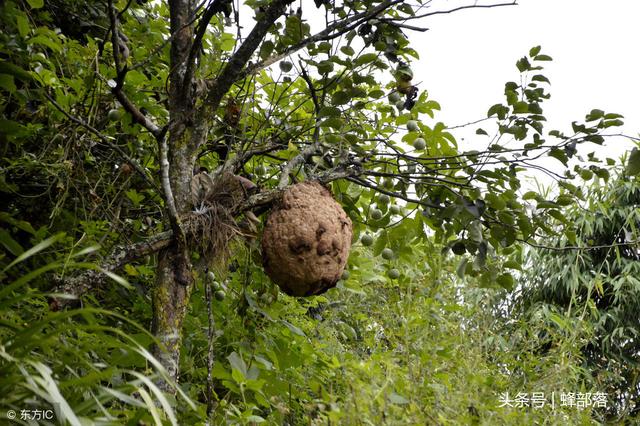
[121, 73]
[201, 29]
[456, 9]
[230, 73]
[79, 285]
[323, 35]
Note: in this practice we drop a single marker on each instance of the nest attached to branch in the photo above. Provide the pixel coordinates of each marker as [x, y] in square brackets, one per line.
[306, 241]
[212, 225]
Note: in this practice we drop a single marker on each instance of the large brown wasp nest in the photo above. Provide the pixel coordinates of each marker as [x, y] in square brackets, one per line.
[306, 241]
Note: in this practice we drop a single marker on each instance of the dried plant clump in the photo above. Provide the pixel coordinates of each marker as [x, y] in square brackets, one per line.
[212, 223]
[306, 241]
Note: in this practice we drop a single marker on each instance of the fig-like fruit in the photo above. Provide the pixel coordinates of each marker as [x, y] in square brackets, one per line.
[366, 240]
[412, 126]
[285, 66]
[419, 144]
[387, 254]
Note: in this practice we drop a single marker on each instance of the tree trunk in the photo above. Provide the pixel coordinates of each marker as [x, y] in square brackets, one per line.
[170, 301]
[174, 274]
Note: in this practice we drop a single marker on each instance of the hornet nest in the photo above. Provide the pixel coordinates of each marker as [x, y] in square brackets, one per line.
[306, 241]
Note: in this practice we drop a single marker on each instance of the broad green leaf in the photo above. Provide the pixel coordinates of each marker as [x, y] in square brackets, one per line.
[633, 162]
[36, 4]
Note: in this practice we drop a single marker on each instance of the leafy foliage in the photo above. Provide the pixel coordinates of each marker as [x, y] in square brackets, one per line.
[597, 285]
[108, 110]
[87, 364]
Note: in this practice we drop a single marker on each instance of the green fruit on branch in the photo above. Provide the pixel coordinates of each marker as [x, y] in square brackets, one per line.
[286, 66]
[394, 274]
[345, 274]
[114, 115]
[400, 105]
[419, 144]
[384, 199]
[412, 126]
[376, 214]
[260, 170]
[394, 209]
[395, 97]
[366, 240]
[387, 254]
[219, 295]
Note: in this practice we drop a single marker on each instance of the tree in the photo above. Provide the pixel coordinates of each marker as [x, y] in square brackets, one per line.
[152, 91]
[588, 274]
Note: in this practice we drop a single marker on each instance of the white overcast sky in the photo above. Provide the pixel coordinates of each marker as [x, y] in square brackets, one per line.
[466, 57]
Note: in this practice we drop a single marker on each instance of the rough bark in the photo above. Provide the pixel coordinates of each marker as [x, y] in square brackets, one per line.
[174, 275]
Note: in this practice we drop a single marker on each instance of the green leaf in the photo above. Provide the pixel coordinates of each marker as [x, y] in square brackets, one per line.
[36, 4]
[265, 49]
[512, 264]
[559, 155]
[347, 50]
[22, 23]
[540, 77]
[10, 244]
[227, 42]
[43, 40]
[7, 83]
[523, 64]
[505, 281]
[462, 267]
[293, 328]
[534, 51]
[366, 58]
[520, 107]
[340, 98]
[34, 250]
[329, 111]
[633, 162]
[237, 363]
[495, 201]
[594, 115]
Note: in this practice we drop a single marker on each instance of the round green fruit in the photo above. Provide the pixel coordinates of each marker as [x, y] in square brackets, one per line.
[387, 254]
[395, 97]
[211, 276]
[400, 105]
[419, 144]
[216, 286]
[412, 126]
[219, 295]
[285, 66]
[384, 199]
[114, 115]
[394, 209]
[394, 274]
[376, 214]
[345, 274]
[387, 183]
[366, 240]
[260, 170]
